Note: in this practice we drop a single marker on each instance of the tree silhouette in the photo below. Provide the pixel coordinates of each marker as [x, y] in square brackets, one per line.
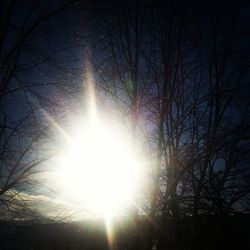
[25, 59]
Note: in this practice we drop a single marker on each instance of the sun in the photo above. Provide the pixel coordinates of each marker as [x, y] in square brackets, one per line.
[100, 169]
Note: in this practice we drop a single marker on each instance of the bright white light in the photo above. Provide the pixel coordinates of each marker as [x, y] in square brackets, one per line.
[100, 169]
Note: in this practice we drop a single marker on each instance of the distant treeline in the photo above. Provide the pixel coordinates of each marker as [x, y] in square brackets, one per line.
[214, 232]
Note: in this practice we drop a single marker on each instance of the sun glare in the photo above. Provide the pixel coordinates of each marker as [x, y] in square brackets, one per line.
[100, 169]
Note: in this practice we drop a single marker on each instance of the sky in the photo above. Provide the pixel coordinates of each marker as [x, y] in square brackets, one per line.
[148, 63]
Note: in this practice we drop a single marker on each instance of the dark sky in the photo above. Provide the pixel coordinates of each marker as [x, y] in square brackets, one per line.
[143, 55]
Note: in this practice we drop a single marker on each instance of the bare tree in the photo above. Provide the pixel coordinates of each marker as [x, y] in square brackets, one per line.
[26, 66]
[181, 70]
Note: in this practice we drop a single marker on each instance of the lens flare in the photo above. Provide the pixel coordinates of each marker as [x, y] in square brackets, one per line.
[100, 167]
